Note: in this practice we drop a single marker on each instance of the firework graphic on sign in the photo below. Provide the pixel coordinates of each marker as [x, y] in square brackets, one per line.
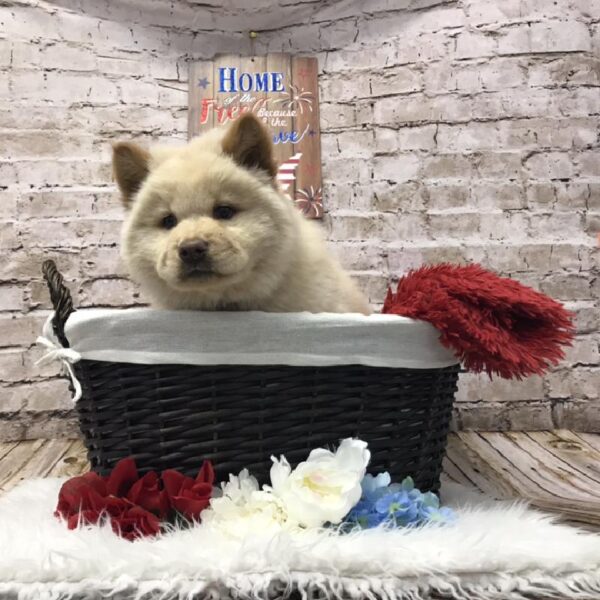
[310, 202]
[296, 99]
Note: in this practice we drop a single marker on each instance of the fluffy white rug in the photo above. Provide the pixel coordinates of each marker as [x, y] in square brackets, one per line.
[494, 551]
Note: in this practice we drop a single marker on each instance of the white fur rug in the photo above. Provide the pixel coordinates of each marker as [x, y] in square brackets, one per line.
[494, 551]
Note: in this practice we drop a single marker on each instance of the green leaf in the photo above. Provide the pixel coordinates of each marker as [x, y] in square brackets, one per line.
[408, 484]
[431, 500]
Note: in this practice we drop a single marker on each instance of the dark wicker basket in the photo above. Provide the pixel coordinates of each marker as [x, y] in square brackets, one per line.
[174, 416]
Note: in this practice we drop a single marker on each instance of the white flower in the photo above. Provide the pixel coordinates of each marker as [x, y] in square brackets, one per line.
[325, 487]
[243, 509]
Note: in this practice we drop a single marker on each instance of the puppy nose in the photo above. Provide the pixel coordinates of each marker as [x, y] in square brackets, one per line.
[194, 252]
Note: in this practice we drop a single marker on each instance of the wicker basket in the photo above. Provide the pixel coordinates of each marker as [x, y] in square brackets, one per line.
[175, 415]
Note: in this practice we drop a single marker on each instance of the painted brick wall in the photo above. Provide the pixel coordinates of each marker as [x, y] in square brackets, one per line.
[464, 131]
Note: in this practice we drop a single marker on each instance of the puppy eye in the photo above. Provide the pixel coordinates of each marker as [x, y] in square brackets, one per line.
[223, 212]
[169, 221]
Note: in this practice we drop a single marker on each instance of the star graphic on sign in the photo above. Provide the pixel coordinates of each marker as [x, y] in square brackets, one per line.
[203, 83]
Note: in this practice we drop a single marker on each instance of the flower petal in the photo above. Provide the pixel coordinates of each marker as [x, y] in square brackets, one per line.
[319, 454]
[172, 481]
[206, 473]
[354, 455]
[280, 471]
[122, 477]
[146, 493]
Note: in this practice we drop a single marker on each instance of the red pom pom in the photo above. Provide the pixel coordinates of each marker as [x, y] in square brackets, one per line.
[493, 324]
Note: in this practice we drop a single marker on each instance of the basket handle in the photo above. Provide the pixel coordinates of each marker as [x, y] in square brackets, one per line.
[61, 299]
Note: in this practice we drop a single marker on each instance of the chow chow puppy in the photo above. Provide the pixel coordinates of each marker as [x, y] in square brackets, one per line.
[207, 228]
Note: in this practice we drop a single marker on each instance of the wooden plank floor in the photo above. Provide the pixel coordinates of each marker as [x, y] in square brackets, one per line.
[557, 471]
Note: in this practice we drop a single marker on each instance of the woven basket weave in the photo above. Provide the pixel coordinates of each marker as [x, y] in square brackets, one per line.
[174, 416]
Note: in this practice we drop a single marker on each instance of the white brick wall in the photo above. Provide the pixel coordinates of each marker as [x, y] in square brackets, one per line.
[452, 130]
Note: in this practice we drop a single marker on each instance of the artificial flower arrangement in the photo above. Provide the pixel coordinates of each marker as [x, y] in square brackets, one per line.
[329, 489]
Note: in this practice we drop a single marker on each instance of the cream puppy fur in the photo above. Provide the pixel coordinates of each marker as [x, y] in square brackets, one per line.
[207, 228]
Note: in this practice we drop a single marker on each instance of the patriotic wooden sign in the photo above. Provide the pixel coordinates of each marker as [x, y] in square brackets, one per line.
[280, 89]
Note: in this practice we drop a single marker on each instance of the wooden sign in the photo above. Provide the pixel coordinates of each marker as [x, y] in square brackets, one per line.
[280, 89]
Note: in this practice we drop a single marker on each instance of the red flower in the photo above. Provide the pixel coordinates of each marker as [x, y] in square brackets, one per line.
[133, 522]
[80, 494]
[190, 496]
[133, 506]
[90, 498]
[146, 492]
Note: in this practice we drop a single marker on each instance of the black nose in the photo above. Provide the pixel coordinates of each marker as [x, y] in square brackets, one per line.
[193, 253]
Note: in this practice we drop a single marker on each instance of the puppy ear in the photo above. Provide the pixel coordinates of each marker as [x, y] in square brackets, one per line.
[249, 143]
[130, 168]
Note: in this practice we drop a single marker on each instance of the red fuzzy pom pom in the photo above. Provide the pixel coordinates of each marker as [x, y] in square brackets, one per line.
[493, 324]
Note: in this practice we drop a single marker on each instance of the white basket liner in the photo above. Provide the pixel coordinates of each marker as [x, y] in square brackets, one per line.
[147, 336]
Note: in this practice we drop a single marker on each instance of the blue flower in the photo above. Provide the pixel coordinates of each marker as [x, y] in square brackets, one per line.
[431, 514]
[399, 507]
[397, 504]
[364, 515]
[375, 487]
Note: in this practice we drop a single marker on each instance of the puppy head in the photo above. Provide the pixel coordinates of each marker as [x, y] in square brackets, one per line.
[206, 218]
